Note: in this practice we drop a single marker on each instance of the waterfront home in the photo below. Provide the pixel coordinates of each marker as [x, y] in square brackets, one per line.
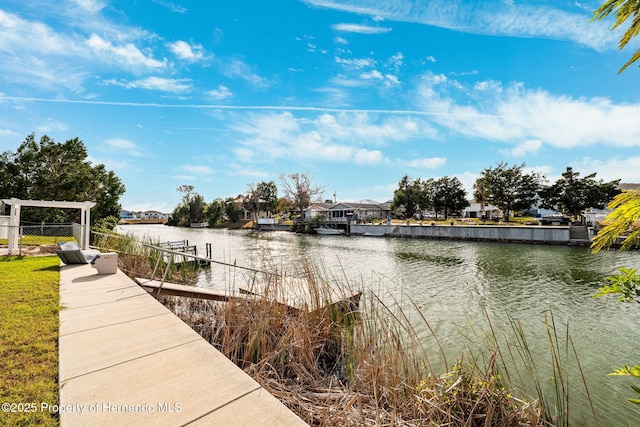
[124, 214]
[343, 212]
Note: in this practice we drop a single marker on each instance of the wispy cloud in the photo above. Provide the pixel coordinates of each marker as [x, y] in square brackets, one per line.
[155, 83]
[90, 6]
[127, 54]
[220, 93]
[358, 28]
[52, 125]
[522, 19]
[123, 146]
[172, 6]
[186, 51]
[237, 69]
[426, 163]
[524, 149]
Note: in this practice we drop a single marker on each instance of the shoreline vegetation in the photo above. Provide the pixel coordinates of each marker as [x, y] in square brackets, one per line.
[332, 366]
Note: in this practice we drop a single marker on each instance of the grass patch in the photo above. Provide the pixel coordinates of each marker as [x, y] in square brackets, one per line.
[29, 305]
[40, 240]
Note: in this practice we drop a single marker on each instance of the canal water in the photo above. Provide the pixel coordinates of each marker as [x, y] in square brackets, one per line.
[456, 285]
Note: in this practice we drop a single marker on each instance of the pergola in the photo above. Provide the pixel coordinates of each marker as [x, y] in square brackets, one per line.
[14, 219]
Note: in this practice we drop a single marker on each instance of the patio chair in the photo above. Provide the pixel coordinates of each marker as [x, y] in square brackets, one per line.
[70, 253]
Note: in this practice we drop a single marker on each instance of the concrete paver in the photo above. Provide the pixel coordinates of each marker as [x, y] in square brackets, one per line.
[127, 360]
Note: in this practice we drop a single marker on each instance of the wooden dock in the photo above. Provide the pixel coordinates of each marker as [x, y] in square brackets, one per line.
[345, 302]
[174, 289]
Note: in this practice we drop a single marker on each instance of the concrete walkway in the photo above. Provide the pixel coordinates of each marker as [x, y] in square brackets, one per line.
[127, 360]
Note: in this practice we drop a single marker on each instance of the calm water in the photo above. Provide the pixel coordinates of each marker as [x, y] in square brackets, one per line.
[455, 283]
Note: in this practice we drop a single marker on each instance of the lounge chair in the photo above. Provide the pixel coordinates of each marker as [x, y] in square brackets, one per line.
[70, 253]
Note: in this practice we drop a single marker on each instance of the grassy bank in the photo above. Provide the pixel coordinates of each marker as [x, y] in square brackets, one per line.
[29, 305]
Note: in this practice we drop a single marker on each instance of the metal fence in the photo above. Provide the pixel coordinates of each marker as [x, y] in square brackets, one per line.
[21, 235]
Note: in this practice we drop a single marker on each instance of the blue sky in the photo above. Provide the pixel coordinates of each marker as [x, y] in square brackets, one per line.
[220, 95]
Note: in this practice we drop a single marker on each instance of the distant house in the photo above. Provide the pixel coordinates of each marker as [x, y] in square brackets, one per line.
[244, 213]
[345, 211]
[124, 214]
[317, 209]
[154, 215]
[481, 210]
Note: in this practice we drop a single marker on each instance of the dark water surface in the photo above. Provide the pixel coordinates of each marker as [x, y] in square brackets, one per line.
[456, 284]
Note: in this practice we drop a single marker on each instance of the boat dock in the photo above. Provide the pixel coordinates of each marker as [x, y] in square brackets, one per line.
[125, 359]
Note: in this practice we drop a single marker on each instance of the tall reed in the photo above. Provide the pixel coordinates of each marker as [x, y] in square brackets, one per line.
[334, 366]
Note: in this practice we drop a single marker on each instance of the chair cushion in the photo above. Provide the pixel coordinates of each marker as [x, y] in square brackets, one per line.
[69, 246]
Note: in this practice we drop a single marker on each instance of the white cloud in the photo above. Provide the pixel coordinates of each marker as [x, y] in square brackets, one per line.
[235, 68]
[186, 51]
[156, 83]
[609, 169]
[52, 125]
[127, 54]
[356, 63]
[221, 92]
[515, 114]
[526, 148]
[123, 145]
[362, 29]
[367, 157]
[336, 138]
[91, 6]
[374, 74]
[427, 163]
[172, 6]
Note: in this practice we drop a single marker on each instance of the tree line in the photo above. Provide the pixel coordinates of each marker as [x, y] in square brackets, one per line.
[509, 188]
[299, 193]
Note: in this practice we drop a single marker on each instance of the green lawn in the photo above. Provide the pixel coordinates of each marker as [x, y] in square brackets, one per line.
[29, 305]
[40, 240]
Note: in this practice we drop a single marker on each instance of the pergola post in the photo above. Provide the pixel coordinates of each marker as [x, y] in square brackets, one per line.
[14, 226]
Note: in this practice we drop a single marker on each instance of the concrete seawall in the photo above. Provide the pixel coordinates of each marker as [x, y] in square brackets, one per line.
[549, 235]
[558, 235]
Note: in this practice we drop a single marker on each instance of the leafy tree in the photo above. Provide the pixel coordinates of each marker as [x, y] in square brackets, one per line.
[190, 209]
[508, 188]
[573, 194]
[215, 211]
[197, 206]
[625, 9]
[299, 190]
[447, 195]
[284, 206]
[231, 209]
[47, 170]
[261, 196]
[410, 196]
